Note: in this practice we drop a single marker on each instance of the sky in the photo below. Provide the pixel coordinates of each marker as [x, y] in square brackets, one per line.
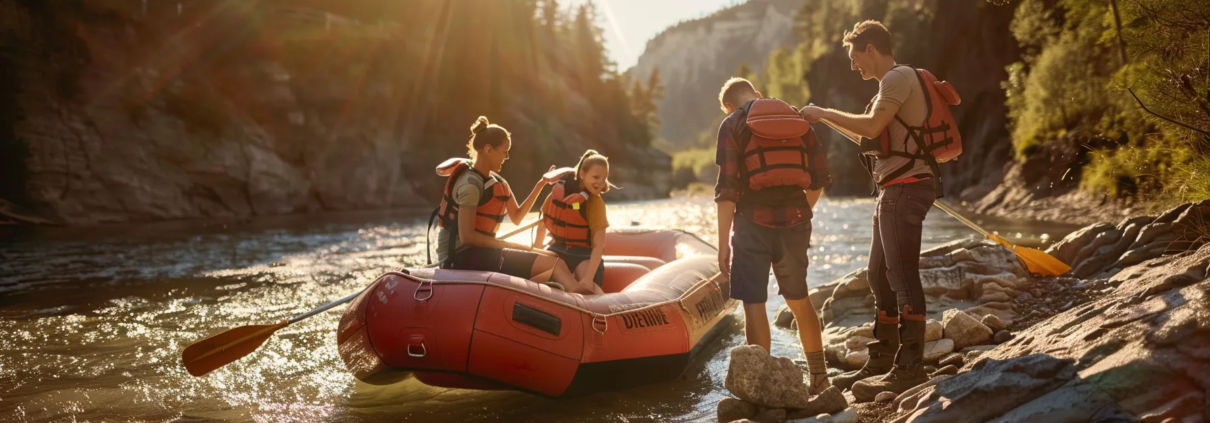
[629, 24]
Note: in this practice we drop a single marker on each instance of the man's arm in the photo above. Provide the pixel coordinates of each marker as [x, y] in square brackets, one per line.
[864, 125]
[893, 90]
[847, 134]
[726, 193]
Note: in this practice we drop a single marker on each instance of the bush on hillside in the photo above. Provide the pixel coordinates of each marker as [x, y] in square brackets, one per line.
[1077, 85]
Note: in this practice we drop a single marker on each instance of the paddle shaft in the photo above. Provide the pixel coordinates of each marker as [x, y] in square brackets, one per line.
[960, 218]
[937, 203]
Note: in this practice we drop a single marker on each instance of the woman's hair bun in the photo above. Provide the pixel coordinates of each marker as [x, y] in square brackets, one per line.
[479, 125]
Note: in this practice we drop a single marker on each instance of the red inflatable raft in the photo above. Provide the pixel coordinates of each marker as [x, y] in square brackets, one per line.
[484, 330]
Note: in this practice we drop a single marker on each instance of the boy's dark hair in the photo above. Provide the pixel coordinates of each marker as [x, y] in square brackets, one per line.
[733, 90]
[869, 32]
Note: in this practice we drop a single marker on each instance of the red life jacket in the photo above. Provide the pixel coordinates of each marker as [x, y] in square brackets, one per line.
[937, 139]
[493, 204]
[777, 153]
[564, 214]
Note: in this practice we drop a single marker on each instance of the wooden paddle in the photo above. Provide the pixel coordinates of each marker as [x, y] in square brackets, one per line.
[221, 349]
[1037, 261]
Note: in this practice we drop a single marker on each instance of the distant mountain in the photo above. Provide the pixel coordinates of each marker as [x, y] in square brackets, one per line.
[695, 57]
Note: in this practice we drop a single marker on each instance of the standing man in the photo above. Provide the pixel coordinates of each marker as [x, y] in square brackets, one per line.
[770, 177]
[907, 182]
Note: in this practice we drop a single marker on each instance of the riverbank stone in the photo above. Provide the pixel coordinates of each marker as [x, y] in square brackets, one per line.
[952, 359]
[775, 382]
[730, 409]
[829, 401]
[991, 390]
[934, 351]
[770, 415]
[856, 359]
[993, 322]
[932, 331]
[947, 370]
[964, 330]
[785, 318]
[858, 343]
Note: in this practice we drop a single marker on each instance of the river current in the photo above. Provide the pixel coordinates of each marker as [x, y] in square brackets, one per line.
[92, 320]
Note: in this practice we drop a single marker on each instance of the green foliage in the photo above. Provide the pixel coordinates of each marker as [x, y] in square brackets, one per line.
[1072, 89]
[692, 165]
[643, 100]
[784, 75]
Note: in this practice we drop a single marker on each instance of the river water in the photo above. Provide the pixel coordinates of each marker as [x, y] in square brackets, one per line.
[92, 321]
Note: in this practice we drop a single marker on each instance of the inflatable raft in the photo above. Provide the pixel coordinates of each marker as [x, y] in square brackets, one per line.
[663, 304]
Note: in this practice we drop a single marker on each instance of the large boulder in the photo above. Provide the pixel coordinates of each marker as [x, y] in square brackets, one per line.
[1109, 254]
[1075, 402]
[1067, 249]
[964, 330]
[990, 390]
[774, 382]
[1145, 345]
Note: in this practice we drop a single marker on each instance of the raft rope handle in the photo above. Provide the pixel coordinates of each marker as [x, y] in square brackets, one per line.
[550, 300]
[604, 323]
[423, 351]
[420, 287]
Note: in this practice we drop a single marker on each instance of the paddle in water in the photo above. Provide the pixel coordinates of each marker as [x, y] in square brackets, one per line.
[221, 349]
[1037, 261]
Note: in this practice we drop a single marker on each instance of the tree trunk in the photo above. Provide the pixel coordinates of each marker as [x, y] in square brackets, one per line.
[1117, 21]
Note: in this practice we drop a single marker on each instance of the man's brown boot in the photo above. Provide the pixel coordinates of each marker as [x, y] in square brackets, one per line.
[882, 353]
[908, 371]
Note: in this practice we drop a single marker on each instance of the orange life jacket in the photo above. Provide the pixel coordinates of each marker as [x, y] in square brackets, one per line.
[493, 205]
[777, 153]
[564, 214]
[937, 139]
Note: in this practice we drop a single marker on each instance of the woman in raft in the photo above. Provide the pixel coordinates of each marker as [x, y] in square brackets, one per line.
[574, 215]
[467, 241]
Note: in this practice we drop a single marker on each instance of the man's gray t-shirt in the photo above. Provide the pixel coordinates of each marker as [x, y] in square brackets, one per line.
[468, 189]
[901, 87]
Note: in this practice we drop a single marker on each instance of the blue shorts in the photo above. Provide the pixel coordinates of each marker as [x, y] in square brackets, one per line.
[755, 249]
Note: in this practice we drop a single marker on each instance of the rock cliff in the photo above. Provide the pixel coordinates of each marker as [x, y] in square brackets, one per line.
[695, 58]
[112, 113]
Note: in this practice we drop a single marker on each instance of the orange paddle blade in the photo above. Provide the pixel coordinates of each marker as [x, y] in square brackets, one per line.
[221, 349]
[1037, 261]
[1041, 263]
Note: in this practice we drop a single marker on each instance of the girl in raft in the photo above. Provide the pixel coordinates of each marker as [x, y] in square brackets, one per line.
[467, 241]
[574, 215]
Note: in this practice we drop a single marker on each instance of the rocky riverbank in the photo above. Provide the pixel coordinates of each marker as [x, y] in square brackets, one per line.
[1125, 336]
